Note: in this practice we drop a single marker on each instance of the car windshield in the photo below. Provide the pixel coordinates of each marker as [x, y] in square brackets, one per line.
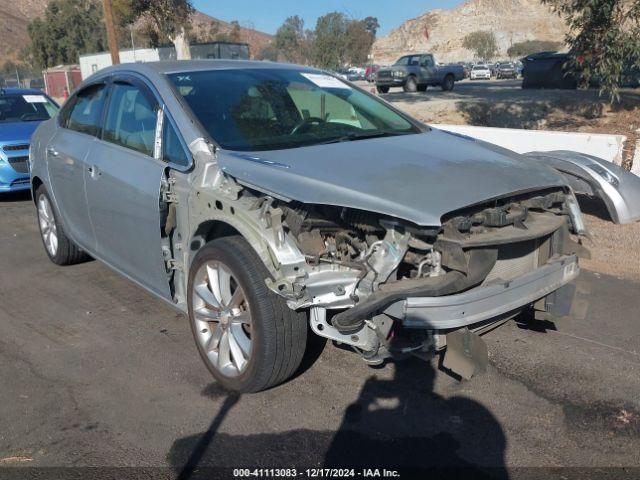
[26, 108]
[480, 67]
[270, 109]
[506, 65]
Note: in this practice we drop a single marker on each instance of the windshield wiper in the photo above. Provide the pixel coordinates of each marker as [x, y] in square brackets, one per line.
[352, 137]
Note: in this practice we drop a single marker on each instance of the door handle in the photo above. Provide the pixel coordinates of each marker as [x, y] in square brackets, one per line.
[52, 151]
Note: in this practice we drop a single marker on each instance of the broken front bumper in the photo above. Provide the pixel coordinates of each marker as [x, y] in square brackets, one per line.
[487, 301]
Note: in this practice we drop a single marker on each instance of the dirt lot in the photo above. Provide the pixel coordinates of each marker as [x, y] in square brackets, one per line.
[503, 103]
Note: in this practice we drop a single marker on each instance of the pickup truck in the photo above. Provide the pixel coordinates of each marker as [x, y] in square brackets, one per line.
[414, 73]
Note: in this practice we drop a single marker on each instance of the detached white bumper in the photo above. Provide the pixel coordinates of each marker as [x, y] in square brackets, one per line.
[487, 301]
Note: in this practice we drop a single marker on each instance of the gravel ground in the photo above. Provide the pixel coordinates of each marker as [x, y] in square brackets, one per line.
[615, 249]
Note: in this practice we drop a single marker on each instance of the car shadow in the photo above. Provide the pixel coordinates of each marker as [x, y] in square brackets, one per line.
[20, 196]
[398, 423]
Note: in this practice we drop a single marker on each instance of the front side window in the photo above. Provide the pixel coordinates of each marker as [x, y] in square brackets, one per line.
[269, 109]
[172, 149]
[131, 119]
[86, 111]
[26, 108]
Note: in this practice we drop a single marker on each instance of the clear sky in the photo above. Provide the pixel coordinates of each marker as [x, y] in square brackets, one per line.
[268, 15]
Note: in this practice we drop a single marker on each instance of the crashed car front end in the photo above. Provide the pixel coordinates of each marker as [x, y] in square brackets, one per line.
[485, 262]
[386, 286]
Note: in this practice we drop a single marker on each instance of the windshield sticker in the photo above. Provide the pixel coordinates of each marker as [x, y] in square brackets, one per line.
[34, 98]
[325, 81]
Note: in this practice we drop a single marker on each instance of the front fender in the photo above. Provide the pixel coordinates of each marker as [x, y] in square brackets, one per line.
[618, 188]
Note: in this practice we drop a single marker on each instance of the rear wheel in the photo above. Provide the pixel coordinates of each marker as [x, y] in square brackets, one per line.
[60, 249]
[248, 337]
[448, 83]
[410, 85]
[382, 89]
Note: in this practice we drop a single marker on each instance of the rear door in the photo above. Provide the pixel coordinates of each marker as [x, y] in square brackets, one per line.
[123, 186]
[67, 154]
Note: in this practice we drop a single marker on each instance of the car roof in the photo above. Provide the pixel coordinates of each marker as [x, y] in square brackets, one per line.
[19, 91]
[176, 66]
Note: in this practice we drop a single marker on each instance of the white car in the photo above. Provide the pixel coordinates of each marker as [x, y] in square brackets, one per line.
[480, 72]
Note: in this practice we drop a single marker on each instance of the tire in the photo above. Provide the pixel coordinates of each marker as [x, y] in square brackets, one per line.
[423, 88]
[277, 335]
[410, 85]
[59, 247]
[382, 89]
[448, 83]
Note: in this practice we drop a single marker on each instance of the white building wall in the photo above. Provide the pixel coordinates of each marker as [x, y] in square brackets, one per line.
[90, 64]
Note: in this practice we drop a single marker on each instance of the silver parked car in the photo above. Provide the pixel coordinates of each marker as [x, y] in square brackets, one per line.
[266, 201]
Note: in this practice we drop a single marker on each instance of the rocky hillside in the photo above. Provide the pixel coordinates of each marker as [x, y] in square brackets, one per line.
[512, 21]
[15, 15]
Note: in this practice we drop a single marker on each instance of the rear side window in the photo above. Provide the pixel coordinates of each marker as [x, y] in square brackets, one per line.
[173, 152]
[86, 111]
[131, 119]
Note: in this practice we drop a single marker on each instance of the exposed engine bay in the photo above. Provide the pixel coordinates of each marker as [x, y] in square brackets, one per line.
[348, 267]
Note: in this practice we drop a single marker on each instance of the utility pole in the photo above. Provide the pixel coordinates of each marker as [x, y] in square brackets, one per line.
[111, 32]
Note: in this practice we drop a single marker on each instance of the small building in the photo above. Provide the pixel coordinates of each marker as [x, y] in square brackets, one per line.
[57, 79]
[93, 62]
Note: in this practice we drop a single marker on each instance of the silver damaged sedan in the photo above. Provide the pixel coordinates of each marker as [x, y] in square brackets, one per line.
[269, 202]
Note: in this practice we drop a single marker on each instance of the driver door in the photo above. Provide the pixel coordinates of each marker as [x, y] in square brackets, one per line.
[428, 69]
[123, 186]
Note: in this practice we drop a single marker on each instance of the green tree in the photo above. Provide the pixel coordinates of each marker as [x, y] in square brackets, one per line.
[522, 49]
[68, 28]
[269, 52]
[371, 25]
[291, 40]
[330, 43]
[483, 44]
[604, 36]
[360, 38]
[165, 20]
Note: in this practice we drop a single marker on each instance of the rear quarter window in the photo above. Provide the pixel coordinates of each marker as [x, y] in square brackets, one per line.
[86, 112]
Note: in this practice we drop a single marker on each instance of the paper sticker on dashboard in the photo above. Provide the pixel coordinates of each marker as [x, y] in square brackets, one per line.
[325, 81]
[34, 98]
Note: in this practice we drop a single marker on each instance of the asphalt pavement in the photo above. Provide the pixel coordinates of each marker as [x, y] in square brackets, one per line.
[96, 372]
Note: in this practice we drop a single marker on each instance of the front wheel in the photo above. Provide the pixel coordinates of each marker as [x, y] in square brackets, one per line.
[247, 336]
[382, 89]
[411, 85]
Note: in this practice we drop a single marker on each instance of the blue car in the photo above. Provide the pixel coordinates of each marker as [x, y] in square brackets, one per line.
[21, 111]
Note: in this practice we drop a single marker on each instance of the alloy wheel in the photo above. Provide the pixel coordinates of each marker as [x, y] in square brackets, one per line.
[222, 318]
[48, 228]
